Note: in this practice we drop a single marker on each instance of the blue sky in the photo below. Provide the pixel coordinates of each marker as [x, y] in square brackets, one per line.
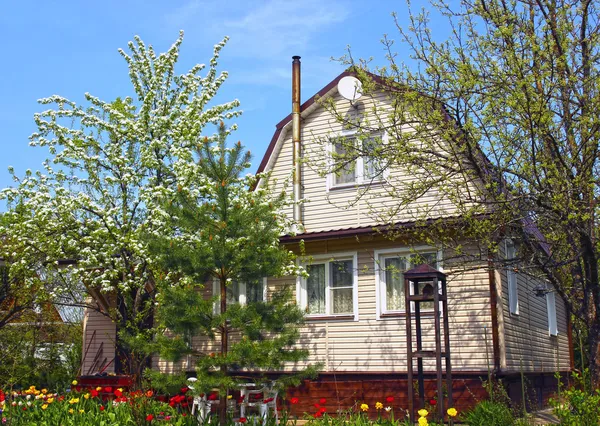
[69, 47]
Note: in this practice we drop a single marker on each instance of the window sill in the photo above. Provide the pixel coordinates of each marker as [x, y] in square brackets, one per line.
[355, 185]
[318, 318]
[430, 313]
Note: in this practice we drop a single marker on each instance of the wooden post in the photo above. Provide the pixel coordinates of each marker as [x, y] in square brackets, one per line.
[420, 371]
[438, 348]
[409, 359]
[447, 348]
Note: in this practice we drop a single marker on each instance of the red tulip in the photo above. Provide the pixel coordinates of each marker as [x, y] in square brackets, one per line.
[294, 400]
[389, 399]
[149, 417]
[322, 401]
[243, 420]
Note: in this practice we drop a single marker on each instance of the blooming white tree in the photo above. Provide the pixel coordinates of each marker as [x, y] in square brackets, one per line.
[112, 165]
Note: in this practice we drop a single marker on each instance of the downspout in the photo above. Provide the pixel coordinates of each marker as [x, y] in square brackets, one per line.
[297, 213]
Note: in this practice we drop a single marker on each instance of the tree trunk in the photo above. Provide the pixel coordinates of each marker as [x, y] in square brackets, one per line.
[591, 287]
[594, 352]
[224, 342]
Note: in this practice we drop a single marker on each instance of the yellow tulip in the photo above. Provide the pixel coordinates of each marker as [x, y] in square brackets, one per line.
[364, 407]
[70, 411]
[74, 382]
[423, 412]
[378, 405]
[452, 412]
[44, 406]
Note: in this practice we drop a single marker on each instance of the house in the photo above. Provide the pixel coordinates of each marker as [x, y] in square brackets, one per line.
[354, 297]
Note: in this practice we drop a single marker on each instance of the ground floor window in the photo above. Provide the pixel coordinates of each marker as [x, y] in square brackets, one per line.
[390, 265]
[331, 286]
[243, 292]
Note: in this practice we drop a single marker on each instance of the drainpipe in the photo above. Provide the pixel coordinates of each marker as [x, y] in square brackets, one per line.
[296, 138]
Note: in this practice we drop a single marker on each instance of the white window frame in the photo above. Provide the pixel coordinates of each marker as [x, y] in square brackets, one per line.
[380, 284]
[359, 166]
[301, 290]
[551, 311]
[511, 278]
[242, 292]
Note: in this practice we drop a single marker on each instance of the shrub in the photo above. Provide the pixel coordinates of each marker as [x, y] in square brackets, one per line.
[490, 413]
[578, 408]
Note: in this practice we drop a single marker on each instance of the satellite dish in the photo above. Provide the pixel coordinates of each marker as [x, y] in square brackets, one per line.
[350, 88]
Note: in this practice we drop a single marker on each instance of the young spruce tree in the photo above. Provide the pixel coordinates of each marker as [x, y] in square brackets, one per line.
[225, 236]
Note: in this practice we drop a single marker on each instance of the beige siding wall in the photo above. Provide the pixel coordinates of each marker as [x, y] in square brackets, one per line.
[99, 342]
[338, 208]
[379, 345]
[527, 340]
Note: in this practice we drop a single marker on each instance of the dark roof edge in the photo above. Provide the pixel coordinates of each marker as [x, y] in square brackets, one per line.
[365, 230]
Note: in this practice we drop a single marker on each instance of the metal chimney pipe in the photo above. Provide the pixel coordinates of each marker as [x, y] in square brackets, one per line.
[296, 138]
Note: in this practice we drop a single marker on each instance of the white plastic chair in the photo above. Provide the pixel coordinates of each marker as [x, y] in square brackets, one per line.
[203, 406]
[267, 402]
[201, 403]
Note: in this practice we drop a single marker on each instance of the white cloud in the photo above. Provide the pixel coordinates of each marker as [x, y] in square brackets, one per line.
[269, 32]
[279, 27]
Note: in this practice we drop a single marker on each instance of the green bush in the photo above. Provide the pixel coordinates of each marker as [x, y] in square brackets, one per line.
[490, 413]
[578, 405]
[46, 353]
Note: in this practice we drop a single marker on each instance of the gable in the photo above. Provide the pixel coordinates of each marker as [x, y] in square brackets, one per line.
[356, 206]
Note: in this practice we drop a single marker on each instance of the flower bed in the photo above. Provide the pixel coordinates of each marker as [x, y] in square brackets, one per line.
[107, 405]
[95, 406]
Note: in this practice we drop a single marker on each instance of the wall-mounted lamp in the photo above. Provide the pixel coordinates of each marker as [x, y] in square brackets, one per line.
[541, 290]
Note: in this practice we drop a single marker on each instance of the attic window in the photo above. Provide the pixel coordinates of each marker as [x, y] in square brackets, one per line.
[354, 159]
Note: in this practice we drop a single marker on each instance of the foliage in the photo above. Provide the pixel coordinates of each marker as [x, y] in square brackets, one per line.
[489, 413]
[497, 126]
[41, 352]
[111, 165]
[579, 404]
[27, 282]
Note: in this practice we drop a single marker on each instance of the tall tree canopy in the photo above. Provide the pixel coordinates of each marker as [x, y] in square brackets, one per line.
[111, 165]
[502, 116]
